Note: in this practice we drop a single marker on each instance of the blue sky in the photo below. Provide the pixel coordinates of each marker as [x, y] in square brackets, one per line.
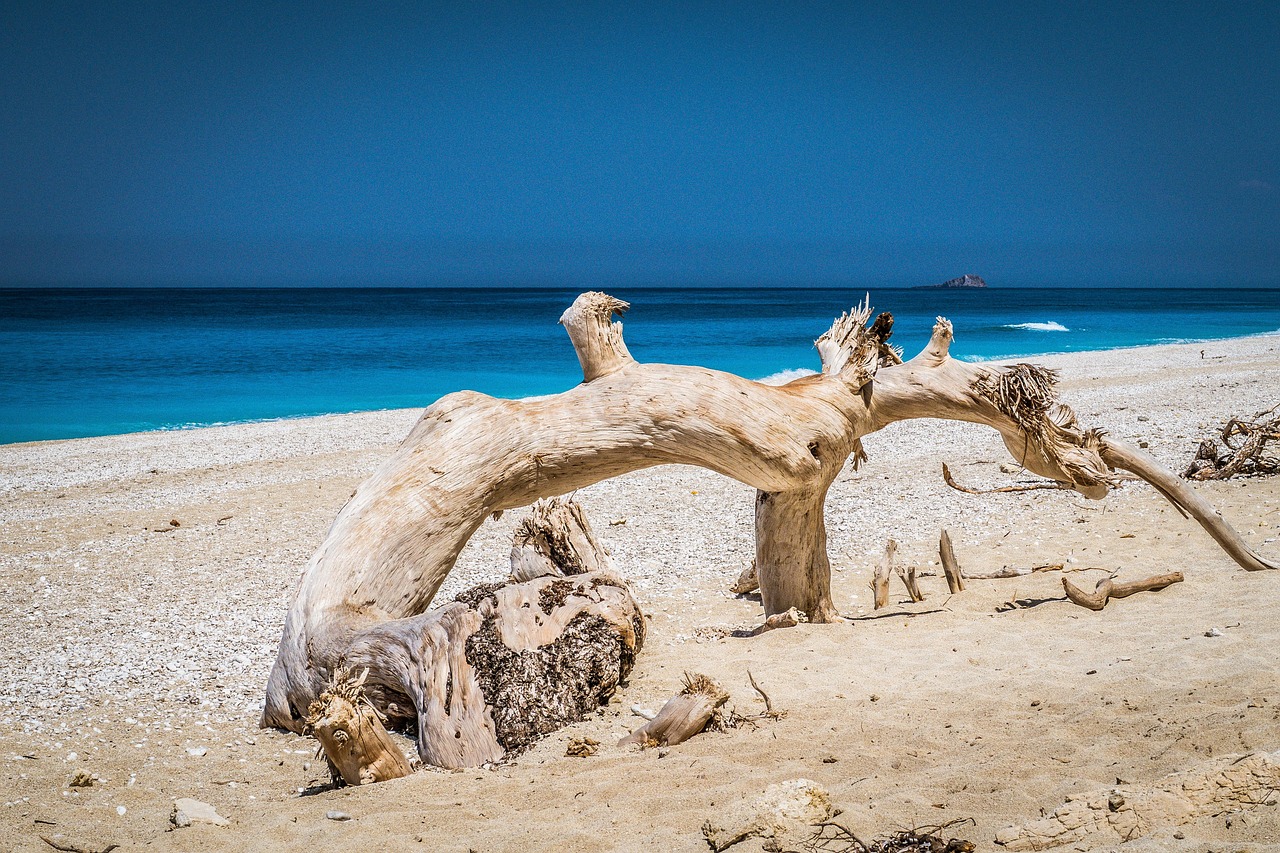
[689, 143]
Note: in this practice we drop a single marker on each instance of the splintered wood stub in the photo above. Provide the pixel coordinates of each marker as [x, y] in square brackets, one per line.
[950, 565]
[683, 716]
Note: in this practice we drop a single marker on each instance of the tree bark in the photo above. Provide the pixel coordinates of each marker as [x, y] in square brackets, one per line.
[363, 596]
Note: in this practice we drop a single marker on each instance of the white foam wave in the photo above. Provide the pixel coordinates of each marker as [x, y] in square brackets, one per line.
[782, 377]
[1050, 326]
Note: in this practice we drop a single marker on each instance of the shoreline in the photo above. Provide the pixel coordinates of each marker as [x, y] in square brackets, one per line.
[787, 373]
[137, 650]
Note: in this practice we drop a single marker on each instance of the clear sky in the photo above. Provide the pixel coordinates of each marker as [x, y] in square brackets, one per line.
[683, 143]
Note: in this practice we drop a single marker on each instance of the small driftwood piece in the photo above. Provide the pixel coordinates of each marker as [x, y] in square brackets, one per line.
[789, 619]
[1015, 571]
[555, 539]
[880, 583]
[350, 731]
[748, 581]
[685, 714]
[1108, 589]
[1029, 487]
[950, 565]
[908, 575]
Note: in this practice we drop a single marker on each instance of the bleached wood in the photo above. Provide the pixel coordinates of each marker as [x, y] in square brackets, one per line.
[350, 731]
[908, 576]
[556, 539]
[683, 716]
[365, 591]
[950, 565]
[884, 570]
[748, 580]
[1109, 588]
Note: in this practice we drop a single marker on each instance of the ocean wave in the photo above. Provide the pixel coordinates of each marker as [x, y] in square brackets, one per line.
[1050, 326]
[782, 377]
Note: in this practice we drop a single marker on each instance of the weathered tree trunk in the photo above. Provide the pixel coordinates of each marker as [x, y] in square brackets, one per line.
[361, 599]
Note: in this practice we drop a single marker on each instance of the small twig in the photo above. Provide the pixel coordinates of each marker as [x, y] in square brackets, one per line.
[67, 847]
[1030, 487]
[768, 703]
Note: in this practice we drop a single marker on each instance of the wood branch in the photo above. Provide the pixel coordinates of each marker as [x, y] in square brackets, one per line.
[884, 569]
[950, 565]
[683, 716]
[555, 539]
[1014, 571]
[351, 733]
[1108, 589]
[908, 576]
[748, 581]
[1029, 487]
[768, 703]
[1120, 454]
[363, 597]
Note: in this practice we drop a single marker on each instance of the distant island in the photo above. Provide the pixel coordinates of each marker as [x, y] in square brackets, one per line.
[962, 281]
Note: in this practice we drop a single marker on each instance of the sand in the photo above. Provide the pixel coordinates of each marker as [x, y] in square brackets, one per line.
[135, 650]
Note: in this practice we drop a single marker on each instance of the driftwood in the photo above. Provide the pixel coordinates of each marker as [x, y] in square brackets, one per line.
[1245, 455]
[908, 576]
[1014, 572]
[683, 716]
[748, 581]
[1108, 588]
[884, 569]
[362, 599]
[350, 731]
[1029, 487]
[950, 565]
[555, 539]
[788, 619]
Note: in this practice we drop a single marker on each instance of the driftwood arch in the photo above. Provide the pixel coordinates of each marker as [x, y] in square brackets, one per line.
[362, 597]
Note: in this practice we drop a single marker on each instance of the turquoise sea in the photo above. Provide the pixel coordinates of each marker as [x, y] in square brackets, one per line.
[81, 362]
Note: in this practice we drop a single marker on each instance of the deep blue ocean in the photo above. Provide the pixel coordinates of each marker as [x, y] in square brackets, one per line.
[81, 362]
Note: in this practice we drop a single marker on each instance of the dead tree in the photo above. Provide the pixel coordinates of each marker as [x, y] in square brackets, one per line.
[362, 597]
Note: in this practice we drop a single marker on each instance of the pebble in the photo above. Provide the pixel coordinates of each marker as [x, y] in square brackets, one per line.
[337, 815]
[197, 751]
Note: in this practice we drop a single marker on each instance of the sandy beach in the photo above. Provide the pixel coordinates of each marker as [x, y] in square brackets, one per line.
[147, 577]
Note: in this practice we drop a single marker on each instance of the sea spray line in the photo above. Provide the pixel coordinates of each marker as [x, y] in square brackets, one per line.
[1050, 326]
